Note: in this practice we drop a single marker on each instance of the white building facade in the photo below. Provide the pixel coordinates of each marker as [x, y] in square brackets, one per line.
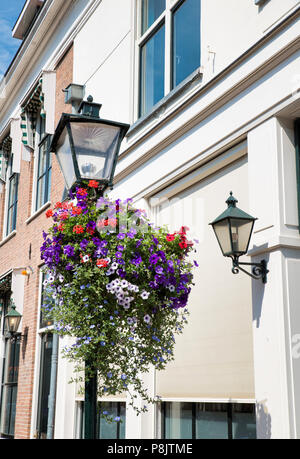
[211, 90]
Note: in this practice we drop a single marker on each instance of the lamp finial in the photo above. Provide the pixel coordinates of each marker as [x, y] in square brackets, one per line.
[231, 201]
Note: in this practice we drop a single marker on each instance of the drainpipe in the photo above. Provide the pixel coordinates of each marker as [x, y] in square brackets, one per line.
[52, 391]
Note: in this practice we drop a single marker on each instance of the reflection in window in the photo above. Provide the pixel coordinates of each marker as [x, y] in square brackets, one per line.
[151, 10]
[186, 40]
[106, 430]
[12, 199]
[115, 429]
[243, 425]
[152, 70]
[183, 420]
[46, 301]
[44, 168]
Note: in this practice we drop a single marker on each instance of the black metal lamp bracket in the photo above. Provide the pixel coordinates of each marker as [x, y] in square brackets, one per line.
[259, 270]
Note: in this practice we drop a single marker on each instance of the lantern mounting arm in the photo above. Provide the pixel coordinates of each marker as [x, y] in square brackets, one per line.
[259, 270]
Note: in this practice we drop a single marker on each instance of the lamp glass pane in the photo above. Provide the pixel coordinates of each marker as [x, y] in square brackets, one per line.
[95, 146]
[222, 231]
[64, 156]
[12, 323]
[241, 232]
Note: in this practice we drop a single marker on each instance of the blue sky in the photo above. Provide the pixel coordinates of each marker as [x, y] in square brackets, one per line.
[9, 13]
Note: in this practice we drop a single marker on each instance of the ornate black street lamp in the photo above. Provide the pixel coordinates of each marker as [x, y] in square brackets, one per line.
[87, 148]
[233, 229]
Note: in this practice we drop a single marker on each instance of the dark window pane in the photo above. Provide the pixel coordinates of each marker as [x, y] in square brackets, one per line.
[44, 386]
[47, 301]
[44, 174]
[152, 71]
[186, 40]
[13, 401]
[211, 421]
[178, 420]
[9, 387]
[12, 203]
[243, 421]
[112, 430]
[151, 10]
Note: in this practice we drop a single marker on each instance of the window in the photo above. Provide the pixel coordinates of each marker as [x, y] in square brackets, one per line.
[43, 186]
[106, 430]
[13, 183]
[47, 345]
[185, 420]
[44, 385]
[169, 50]
[9, 388]
[46, 294]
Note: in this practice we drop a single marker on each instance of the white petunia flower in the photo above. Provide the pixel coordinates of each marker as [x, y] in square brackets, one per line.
[147, 319]
[145, 295]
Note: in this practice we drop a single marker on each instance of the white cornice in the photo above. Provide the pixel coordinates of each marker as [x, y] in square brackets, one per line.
[33, 46]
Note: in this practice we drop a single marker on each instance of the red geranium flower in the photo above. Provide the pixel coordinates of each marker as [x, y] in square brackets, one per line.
[49, 213]
[170, 237]
[78, 229]
[76, 210]
[101, 263]
[64, 216]
[93, 184]
[82, 192]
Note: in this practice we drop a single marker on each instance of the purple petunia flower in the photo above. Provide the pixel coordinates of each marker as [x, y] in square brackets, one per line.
[121, 236]
[83, 244]
[69, 250]
[153, 259]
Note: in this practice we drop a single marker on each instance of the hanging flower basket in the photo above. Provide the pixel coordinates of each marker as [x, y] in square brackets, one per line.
[117, 285]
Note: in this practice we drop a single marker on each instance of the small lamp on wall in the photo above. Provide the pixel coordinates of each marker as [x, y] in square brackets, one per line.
[233, 230]
[12, 321]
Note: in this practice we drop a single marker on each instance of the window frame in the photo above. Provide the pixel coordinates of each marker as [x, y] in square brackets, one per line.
[166, 19]
[42, 147]
[79, 418]
[8, 229]
[43, 328]
[12, 348]
[230, 415]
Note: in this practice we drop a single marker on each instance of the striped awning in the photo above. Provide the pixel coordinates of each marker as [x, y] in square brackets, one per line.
[29, 113]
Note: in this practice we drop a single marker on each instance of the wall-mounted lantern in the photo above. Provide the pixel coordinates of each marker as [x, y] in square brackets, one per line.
[233, 229]
[12, 321]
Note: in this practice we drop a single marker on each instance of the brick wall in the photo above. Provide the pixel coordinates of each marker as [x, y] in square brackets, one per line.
[23, 250]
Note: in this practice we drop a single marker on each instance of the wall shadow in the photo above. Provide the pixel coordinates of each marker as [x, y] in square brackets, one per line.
[263, 421]
[258, 288]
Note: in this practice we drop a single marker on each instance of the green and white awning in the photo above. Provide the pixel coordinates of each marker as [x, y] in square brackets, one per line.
[29, 114]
